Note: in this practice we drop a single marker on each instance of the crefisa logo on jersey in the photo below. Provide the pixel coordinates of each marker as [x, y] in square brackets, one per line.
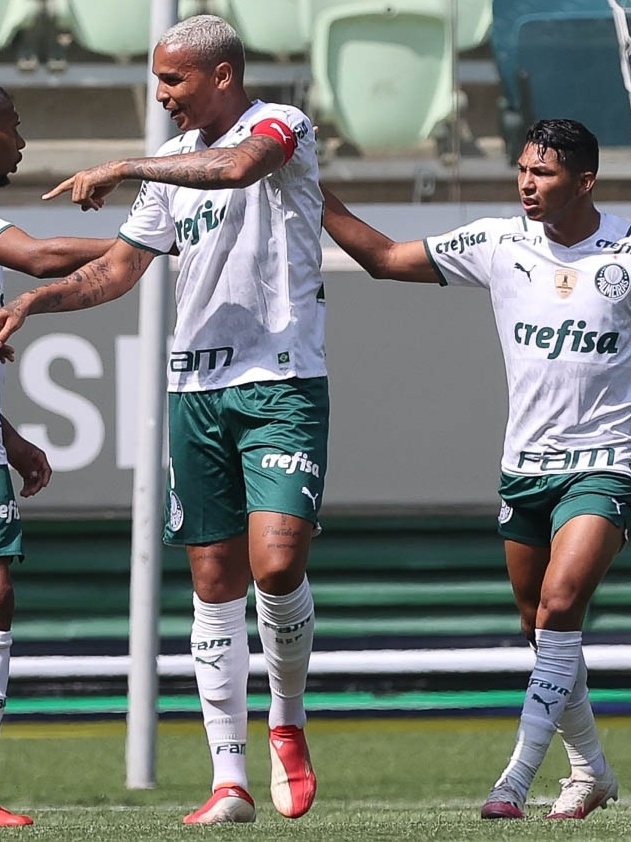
[612, 281]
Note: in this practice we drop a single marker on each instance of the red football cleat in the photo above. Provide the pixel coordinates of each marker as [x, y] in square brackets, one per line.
[226, 804]
[293, 786]
[9, 819]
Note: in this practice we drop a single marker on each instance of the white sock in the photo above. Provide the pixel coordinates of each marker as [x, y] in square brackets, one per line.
[578, 728]
[549, 688]
[6, 639]
[285, 626]
[219, 646]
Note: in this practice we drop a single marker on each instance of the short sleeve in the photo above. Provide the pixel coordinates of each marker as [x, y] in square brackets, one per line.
[464, 256]
[149, 224]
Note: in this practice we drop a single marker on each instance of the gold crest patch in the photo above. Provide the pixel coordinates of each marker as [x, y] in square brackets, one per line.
[565, 281]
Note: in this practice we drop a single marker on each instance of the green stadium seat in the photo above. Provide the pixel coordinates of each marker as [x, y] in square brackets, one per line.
[473, 17]
[118, 29]
[473, 23]
[382, 73]
[19, 21]
[272, 27]
[189, 8]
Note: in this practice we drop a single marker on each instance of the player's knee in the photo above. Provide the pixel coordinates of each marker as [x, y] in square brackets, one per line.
[280, 578]
[560, 611]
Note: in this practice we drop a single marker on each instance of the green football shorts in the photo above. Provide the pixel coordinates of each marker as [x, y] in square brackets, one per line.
[10, 522]
[255, 447]
[535, 508]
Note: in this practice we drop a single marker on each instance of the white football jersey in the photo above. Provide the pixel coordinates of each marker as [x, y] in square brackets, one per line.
[564, 321]
[249, 294]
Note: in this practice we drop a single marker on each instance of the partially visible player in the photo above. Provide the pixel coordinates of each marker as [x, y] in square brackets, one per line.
[238, 193]
[41, 258]
[560, 284]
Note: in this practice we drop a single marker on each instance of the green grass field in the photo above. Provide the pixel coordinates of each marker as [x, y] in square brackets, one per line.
[379, 779]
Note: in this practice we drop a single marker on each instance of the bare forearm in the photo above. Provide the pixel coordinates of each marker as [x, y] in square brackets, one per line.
[59, 256]
[97, 282]
[93, 284]
[380, 256]
[9, 434]
[82, 289]
[209, 169]
[66, 254]
[27, 459]
[364, 244]
[213, 168]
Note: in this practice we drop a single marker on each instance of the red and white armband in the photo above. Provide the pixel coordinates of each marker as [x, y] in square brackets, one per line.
[279, 131]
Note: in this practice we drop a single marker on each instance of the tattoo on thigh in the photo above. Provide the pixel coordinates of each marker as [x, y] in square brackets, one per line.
[280, 537]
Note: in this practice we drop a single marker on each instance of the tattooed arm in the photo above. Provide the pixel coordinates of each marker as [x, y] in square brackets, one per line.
[97, 282]
[238, 166]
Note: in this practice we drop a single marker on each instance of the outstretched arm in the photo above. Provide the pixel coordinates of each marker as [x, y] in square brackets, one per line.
[97, 282]
[28, 460]
[380, 256]
[240, 166]
[49, 257]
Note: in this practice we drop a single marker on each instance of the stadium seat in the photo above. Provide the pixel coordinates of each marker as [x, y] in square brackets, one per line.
[382, 72]
[575, 45]
[473, 17]
[97, 26]
[473, 23]
[188, 8]
[580, 53]
[272, 27]
[308, 10]
[507, 14]
[19, 21]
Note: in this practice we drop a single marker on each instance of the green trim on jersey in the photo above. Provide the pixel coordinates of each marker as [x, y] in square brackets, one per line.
[6, 227]
[441, 278]
[137, 245]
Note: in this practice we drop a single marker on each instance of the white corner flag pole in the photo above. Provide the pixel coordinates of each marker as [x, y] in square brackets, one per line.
[148, 494]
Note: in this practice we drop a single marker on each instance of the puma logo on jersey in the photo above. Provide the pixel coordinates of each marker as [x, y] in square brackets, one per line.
[311, 496]
[526, 272]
